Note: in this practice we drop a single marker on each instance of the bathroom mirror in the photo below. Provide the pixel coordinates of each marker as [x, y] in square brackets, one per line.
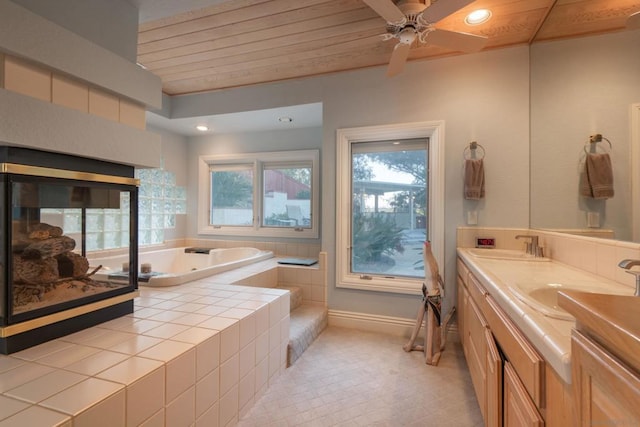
[581, 87]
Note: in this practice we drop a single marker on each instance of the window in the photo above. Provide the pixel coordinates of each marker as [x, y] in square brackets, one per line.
[387, 180]
[231, 195]
[286, 195]
[389, 206]
[263, 194]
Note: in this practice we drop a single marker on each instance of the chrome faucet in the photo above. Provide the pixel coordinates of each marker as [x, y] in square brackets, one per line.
[627, 264]
[532, 246]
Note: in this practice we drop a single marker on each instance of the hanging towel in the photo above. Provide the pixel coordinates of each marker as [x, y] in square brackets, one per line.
[585, 188]
[599, 176]
[473, 179]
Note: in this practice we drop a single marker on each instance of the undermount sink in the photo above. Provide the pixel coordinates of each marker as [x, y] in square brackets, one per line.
[544, 297]
[506, 254]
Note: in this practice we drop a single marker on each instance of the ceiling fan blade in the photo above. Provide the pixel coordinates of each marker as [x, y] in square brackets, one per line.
[633, 21]
[387, 9]
[462, 42]
[398, 59]
[442, 9]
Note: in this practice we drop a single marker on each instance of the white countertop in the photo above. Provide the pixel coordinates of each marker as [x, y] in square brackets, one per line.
[550, 336]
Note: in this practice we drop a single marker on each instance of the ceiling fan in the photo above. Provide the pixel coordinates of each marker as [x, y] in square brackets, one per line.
[633, 21]
[413, 19]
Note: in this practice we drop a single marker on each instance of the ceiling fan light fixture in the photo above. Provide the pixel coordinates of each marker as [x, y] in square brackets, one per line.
[478, 17]
[407, 35]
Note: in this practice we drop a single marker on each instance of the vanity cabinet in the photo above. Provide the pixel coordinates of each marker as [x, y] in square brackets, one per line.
[477, 353]
[494, 382]
[506, 371]
[518, 408]
[605, 357]
[607, 392]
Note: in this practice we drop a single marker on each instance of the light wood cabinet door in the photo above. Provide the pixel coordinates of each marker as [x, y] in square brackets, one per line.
[460, 312]
[494, 383]
[606, 392]
[477, 352]
[519, 410]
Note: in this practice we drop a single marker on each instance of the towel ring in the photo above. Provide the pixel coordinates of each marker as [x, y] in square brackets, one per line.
[470, 151]
[590, 146]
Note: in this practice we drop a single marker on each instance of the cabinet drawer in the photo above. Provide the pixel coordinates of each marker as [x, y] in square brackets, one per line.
[477, 292]
[523, 357]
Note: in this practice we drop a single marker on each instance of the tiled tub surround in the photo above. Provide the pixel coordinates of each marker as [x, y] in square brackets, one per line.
[184, 357]
[582, 258]
[312, 280]
[197, 354]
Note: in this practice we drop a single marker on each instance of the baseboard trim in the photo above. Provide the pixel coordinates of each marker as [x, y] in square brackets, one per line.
[371, 322]
[397, 326]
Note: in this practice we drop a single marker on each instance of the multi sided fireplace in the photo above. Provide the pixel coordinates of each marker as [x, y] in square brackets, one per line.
[52, 203]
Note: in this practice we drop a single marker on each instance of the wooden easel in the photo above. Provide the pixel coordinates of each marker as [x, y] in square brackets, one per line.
[435, 328]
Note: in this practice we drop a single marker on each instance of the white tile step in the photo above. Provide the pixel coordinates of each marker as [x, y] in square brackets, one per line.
[296, 296]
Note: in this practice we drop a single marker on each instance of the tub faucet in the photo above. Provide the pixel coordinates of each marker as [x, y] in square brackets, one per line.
[532, 246]
[627, 264]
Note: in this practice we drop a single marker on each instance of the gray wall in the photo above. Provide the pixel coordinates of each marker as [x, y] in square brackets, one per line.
[483, 97]
[29, 122]
[581, 87]
[112, 24]
[248, 142]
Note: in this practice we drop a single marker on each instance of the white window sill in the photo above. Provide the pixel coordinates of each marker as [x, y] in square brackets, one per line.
[394, 285]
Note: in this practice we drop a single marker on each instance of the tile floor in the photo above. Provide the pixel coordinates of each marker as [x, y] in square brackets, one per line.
[355, 378]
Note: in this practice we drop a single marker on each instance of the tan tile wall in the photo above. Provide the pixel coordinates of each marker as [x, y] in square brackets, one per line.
[312, 280]
[2, 59]
[26, 78]
[594, 255]
[70, 93]
[263, 279]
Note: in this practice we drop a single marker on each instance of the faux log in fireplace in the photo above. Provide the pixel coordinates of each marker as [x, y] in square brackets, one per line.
[47, 223]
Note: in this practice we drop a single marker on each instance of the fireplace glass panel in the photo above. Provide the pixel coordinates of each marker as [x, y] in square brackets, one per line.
[54, 223]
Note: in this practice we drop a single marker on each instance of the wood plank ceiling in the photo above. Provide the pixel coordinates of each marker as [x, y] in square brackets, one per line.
[245, 42]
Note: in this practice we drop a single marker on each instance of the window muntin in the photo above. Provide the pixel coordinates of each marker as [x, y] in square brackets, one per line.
[287, 208]
[389, 206]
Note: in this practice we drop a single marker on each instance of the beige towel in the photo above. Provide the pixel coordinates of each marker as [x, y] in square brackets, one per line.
[473, 179]
[596, 180]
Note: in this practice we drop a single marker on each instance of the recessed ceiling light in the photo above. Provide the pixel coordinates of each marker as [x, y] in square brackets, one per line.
[285, 119]
[478, 17]
[202, 128]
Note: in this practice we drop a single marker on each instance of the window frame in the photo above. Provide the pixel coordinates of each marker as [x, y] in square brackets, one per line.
[434, 132]
[258, 162]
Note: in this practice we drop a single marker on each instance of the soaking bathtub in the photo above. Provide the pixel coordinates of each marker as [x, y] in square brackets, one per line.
[170, 267]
